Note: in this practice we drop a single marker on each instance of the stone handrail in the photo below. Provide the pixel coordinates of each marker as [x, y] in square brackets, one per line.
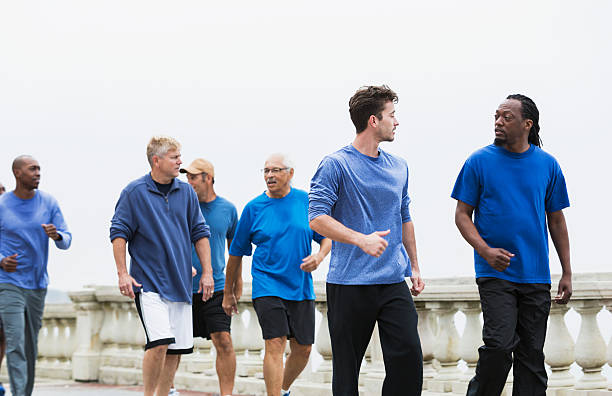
[99, 338]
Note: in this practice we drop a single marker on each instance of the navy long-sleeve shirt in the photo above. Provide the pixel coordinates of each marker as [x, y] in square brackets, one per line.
[159, 230]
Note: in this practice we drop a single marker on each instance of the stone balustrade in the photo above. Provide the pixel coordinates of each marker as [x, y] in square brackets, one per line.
[99, 338]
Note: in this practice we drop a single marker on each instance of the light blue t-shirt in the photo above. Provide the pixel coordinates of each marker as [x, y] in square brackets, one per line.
[511, 194]
[279, 228]
[366, 194]
[21, 232]
[221, 217]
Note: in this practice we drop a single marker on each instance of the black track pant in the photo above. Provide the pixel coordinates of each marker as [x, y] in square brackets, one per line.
[515, 316]
[352, 313]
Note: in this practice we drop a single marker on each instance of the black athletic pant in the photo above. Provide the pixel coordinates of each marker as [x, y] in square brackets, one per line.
[352, 312]
[515, 316]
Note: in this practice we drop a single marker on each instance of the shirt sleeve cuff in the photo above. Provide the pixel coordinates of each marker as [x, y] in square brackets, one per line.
[63, 243]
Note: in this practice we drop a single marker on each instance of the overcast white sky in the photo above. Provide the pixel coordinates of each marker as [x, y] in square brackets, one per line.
[84, 84]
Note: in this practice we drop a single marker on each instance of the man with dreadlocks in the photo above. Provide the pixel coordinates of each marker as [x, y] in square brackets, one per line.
[514, 189]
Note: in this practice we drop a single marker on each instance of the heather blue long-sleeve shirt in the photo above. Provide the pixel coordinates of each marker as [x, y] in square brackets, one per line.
[159, 230]
[365, 194]
[21, 232]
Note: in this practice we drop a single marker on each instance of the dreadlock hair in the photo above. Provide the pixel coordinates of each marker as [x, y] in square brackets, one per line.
[529, 111]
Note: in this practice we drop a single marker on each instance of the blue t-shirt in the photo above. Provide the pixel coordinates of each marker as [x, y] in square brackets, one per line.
[221, 217]
[366, 194]
[21, 232]
[511, 194]
[279, 228]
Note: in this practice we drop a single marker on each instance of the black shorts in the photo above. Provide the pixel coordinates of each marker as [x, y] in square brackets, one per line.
[279, 318]
[209, 316]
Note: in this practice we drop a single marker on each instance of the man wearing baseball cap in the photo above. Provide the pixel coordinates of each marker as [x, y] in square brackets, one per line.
[209, 319]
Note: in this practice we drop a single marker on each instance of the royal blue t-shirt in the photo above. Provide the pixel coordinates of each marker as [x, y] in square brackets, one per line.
[511, 194]
[279, 228]
[366, 194]
[221, 217]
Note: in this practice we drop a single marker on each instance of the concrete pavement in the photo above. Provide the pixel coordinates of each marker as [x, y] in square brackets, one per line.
[46, 387]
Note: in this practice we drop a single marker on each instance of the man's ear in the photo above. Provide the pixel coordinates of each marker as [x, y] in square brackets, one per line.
[373, 121]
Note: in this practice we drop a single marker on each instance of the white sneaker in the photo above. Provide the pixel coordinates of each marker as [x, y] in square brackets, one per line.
[174, 392]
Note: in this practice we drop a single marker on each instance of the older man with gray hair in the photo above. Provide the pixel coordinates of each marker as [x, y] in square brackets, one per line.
[283, 297]
[159, 218]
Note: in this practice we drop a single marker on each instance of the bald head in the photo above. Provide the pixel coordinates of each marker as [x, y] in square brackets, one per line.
[22, 160]
[27, 173]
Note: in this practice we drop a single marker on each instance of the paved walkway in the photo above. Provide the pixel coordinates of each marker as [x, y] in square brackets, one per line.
[56, 388]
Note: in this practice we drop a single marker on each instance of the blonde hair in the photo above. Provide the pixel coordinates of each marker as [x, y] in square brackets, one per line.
[160, 145]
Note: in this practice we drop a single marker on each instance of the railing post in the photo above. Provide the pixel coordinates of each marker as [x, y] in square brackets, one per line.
[446, 349]
[251, 363]
[590, 346]
[86, 358]
[427, 341]
[323, 374]
[471, 340]
[559, 348]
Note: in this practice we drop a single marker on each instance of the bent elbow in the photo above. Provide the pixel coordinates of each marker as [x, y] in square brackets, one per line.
[314, 224]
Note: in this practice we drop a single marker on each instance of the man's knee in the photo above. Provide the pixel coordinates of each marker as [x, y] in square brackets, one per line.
[157, 351]
[300, 350]
[223, 342]
[276, 346]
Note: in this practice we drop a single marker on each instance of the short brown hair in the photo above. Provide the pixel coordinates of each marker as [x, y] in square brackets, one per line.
[368, 101]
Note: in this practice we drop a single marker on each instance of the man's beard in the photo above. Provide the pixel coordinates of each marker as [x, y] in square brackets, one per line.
[499, 142]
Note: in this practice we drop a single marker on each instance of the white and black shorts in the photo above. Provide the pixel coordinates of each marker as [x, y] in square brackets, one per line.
[165, 323]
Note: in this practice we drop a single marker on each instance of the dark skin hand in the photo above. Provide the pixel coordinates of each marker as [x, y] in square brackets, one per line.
[51, 231]
[498, 258]
[9, 263]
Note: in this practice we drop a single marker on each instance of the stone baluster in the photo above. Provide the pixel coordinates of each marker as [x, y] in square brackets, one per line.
[238, 334]
[66, 335]
[427, 341]
[44, 337]
[108, 345]
[590, 346]
[608, 304]
[559, 348]
[55, 351]
[323, 374]
[86, 358]
[123, 334]
[470, 342]
[116, 364]
[136, 338]
[375, 376]
[201, 361]
[446, 349]
[251, 363]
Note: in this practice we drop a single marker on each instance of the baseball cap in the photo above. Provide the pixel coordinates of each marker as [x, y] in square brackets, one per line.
[199, 165]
